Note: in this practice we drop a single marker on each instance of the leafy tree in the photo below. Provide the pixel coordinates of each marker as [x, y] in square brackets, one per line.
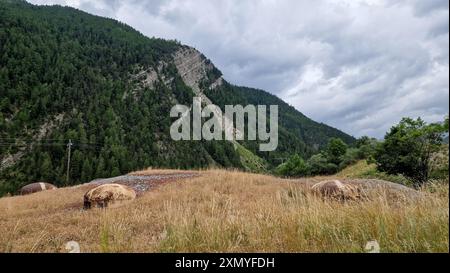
[407, 149]
[295, 166]
[319, 164]
[335, 150]
[366, 147]
[364, 140]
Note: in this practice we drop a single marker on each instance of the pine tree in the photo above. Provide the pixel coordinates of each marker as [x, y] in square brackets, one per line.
[46, 170]
[86, 172]
[101, 168]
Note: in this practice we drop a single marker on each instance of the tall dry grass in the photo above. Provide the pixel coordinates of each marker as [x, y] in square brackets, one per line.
[226, 211]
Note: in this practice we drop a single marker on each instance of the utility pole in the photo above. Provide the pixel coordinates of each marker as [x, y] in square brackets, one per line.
[69, 147]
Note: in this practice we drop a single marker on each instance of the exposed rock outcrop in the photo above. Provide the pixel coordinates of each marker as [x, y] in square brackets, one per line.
[11, 159]
[193, 67]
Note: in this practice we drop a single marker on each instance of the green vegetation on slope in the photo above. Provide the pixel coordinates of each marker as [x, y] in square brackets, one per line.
[362, 169]
[250, 161]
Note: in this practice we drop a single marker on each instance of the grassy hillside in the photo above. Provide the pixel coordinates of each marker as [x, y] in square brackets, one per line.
[226, 212]
[362, 169]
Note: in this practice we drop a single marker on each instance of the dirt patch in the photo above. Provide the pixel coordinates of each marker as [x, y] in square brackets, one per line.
[143, 183]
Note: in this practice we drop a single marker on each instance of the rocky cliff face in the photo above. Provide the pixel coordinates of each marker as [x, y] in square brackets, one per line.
[46, 128]
[192, 66]
[194, 69]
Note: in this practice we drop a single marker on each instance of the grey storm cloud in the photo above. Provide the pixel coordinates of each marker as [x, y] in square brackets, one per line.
[358, 65]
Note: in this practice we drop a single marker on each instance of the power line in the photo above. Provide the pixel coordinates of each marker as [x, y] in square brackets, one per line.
[49, 144]
[15, 140]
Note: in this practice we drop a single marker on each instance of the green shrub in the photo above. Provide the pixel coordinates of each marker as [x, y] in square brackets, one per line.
[319, 164]
[350, 157]
[295, 166]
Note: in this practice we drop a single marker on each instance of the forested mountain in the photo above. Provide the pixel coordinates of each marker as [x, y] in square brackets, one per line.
[68, 75]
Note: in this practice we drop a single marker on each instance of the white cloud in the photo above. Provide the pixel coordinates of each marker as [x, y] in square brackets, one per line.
[357, 65]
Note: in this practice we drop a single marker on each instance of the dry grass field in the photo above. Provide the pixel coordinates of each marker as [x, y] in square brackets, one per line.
[226, 211]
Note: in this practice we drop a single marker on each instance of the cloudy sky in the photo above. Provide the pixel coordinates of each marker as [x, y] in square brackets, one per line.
[358, 65]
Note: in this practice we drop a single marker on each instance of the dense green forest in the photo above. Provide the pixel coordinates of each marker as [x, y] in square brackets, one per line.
[66, 75]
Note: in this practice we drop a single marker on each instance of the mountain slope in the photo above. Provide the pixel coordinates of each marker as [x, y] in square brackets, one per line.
[67, 75]
[297, 133]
